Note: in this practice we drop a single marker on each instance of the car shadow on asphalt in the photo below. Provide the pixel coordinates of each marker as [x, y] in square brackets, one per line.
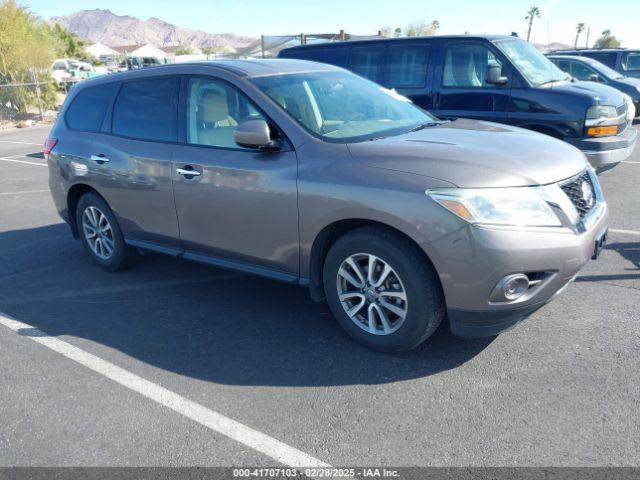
[630, 251]
[231, 329]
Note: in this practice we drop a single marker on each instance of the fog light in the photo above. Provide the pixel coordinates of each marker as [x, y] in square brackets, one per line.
[510, 288]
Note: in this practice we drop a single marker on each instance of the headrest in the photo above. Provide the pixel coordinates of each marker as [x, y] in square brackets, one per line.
[213, 107]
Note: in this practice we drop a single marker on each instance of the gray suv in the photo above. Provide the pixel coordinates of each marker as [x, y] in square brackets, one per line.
[312, 175]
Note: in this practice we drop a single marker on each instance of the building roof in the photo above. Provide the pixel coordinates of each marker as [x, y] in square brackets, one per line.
[126, 48]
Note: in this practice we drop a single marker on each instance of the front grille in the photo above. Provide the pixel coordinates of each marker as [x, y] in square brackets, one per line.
[581, 192]
[622, 112]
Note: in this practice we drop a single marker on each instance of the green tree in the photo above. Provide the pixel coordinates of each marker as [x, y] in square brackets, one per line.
[533, 13]
[421, 28]
[26, 50]
[67, 43]
[579, 30]
[184, 50]
[607, 40]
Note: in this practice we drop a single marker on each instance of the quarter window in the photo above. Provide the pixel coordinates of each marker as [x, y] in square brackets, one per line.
[367, 62]
[214, 109]
[147, 109]
[87, 109]
[408, 66]
[468, 65]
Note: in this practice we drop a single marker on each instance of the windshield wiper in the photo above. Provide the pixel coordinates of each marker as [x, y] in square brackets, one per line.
[425, 125]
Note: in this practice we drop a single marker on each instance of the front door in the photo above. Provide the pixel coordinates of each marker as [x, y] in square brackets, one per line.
[239, 206]
[461, 83]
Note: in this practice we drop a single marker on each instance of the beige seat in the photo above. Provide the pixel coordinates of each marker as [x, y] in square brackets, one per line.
[215, 125]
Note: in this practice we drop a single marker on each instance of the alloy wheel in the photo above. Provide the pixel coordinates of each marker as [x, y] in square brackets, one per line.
[98, 233]
[372, 294]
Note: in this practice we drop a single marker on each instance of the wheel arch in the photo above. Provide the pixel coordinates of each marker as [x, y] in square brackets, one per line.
[545, 129]
[74, 194]
[328, 236]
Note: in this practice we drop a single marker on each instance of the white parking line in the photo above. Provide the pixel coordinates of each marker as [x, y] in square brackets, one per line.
[23, 192]
[275, 449]
[629, 232]
[627, 161]
[22, 161]
[20, 143]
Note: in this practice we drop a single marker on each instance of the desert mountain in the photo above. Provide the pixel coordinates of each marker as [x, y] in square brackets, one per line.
[115, 30]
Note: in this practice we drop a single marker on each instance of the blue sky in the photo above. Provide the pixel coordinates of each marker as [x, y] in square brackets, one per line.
[274, 17]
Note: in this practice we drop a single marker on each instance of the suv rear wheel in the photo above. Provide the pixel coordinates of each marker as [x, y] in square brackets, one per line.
[382, 290]
[101, 234]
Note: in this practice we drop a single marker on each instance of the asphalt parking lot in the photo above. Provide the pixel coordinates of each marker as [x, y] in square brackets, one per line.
[174, 363]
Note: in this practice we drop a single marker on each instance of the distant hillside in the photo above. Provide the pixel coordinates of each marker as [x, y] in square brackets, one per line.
[116, 30]
[552, 46]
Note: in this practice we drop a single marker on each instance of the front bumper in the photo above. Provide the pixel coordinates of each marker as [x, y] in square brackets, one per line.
[606, 152]
[473, 260]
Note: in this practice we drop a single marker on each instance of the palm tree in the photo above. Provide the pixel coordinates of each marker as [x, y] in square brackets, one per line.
[531, 14]
[579, 30]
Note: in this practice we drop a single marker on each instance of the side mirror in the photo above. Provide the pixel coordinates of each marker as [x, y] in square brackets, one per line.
[494, 75]
[594, 78]
[254, 134]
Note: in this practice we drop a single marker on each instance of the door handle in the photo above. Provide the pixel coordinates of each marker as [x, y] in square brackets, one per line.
[99, 159]
[188, 173]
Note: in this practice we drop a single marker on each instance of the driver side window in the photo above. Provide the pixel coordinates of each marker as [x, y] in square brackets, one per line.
[467, 66]
[581, 71]
[214, 110]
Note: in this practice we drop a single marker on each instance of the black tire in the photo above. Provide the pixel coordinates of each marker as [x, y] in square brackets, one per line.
[425, 300]
[123, 255]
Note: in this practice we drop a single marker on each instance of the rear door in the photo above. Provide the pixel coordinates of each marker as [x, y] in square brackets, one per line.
[132, 160]
[460, 83]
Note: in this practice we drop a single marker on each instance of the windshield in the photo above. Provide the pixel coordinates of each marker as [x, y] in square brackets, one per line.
[535, 67]
[343, 107]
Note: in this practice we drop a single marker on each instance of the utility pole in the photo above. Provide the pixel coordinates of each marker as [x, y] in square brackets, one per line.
[586, 45]
[303, 40]
[262, 44]
[35, 81]
[342, 36]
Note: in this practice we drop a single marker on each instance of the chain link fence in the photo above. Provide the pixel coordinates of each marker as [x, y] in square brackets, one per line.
[268, 46]
[36, 100]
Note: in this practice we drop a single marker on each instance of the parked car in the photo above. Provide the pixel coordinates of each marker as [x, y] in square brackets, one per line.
[496, 78]
[622, 60]
[68, 70]
[590, 70]
[134, 63]
[309, 174]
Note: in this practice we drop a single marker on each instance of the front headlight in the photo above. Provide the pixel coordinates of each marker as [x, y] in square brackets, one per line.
[521, 207]
[602, 121]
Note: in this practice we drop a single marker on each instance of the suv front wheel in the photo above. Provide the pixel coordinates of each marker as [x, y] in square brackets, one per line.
[382, 290]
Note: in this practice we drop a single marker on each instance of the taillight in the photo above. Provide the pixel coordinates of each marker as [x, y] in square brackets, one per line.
[49, 143]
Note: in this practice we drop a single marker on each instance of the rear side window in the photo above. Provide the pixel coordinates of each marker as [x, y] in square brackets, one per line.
[367, 62]
[87, 109]
[608, 58]
[147, 109]
[408, 66]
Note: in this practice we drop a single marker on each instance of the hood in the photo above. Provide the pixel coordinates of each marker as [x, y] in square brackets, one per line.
[469, 154]
[632, 86]
[602, 94]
